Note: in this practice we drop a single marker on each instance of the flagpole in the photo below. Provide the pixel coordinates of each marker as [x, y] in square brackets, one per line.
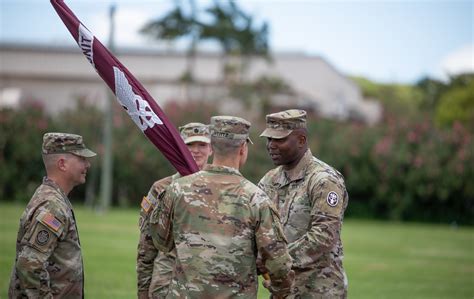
[107, 161]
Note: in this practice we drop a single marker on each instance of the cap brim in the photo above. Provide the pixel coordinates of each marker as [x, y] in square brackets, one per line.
[276, 134]
[197, 138]
[86, 153]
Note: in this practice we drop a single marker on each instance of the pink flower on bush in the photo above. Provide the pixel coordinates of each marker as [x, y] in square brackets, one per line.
[462, 154]
[384, 146]
[418, 162]
[412, 136]
[42, 124]
[354, 151]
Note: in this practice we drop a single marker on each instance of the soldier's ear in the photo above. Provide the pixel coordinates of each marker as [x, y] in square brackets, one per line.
[243, 148]
[61, 163]
[301, 140]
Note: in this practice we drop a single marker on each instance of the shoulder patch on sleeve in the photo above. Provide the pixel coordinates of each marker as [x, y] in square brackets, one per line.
[332, 199]
[42, 237]
[50, 221]
[146, 204]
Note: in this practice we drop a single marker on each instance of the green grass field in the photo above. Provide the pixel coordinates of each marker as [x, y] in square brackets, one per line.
[382, 260]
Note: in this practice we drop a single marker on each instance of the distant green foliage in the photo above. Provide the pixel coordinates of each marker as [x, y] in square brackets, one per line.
[397, 99]
[404, 168]
[457, 104]
[137, 162]
[20, 151]
[416, 163]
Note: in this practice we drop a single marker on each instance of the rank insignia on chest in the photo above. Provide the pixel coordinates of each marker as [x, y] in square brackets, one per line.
[49, 220]
[146, 204]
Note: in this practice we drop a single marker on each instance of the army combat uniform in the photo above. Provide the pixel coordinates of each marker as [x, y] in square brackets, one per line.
[154, 268]
[48, 261]
[311, 199]
[218, 222]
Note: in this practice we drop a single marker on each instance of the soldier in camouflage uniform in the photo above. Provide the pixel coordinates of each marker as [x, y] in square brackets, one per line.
[155, 269]
[311, 198]
[218, 222]
[48, 260]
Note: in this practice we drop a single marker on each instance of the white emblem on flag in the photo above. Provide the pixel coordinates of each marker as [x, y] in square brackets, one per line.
[86, 39]
[332, 199]
[138, 109]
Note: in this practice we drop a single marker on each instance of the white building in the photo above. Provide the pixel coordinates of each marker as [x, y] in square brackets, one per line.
[56, 76]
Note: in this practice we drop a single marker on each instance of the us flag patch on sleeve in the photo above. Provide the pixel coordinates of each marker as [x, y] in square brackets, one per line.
[52, 222]
[146, 204]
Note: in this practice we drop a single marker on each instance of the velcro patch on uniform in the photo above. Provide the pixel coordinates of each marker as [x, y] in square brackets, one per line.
[50, 221]
[332, 199]
[146, 204]
[42, 237]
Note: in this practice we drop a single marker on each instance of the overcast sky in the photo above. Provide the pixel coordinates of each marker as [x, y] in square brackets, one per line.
[386, 41]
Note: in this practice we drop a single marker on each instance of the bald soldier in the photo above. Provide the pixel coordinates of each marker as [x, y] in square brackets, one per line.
[219, 222]
[155, 269]
[311, 197]
[48, 260]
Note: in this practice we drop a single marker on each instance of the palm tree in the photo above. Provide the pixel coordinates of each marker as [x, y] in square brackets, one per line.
[175, 25]
[233, 29]
[229, 26]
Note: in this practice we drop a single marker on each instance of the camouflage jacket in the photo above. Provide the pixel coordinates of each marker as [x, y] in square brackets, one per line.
[218, 222]
[154, 269]
[48, 260]
[311, 199]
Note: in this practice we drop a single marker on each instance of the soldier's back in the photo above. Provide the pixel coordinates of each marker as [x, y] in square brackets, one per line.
[214, 226]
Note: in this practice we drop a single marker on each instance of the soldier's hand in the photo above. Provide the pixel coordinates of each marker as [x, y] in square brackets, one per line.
[260, 266]
[282, 287]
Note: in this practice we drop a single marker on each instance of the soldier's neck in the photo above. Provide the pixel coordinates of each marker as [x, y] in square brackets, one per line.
[63, 183]
[296, 161]
[226, 161]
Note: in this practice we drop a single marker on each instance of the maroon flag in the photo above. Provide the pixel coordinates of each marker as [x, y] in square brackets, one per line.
[141, 107]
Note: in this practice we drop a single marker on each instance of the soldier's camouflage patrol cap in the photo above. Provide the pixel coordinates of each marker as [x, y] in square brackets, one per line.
[57, 143]
[195, 132]
[281, 124]
[230, 127]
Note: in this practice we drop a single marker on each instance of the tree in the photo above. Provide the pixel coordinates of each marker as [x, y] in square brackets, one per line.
[457, 103]
[229, 26]
[175, 25]
[237, 35]
[432, 90]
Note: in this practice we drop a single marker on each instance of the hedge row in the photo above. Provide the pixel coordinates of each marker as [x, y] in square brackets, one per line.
[400, 169]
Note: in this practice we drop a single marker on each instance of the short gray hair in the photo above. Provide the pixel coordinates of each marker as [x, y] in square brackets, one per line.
[225, 147]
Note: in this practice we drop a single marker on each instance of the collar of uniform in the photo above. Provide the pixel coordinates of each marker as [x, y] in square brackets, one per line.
[176, 176]
[221, 169]
[53, 184]
[297, 172]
